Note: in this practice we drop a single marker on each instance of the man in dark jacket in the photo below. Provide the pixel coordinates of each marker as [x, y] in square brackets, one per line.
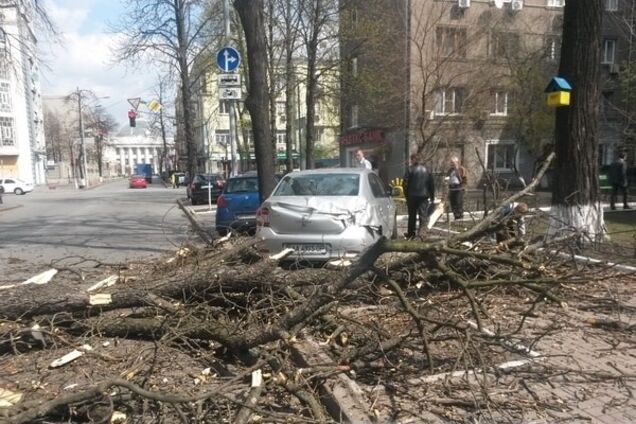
[419, 187]
[618, 179]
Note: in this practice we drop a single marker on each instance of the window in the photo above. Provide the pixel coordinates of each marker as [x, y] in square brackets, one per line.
[377, 186]
[7, 137]
[280, 109]
[354, 116]
[552, 47]
[224, 107]
[318, 135]
[448, 101]
[499, 103]
[222, 138]
[451, 41]
[504, 44]
[609, 50]
[5, 98]
[611, 5]
[556, 3]
[280, 139]
[500, 156]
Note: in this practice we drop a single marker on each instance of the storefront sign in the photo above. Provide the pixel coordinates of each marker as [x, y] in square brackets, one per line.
[371, 136]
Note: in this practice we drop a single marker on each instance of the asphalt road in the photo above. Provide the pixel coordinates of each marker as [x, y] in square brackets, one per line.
[109, 223]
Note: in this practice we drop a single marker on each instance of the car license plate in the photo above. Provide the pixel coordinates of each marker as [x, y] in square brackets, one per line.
[308, 248]
[246, 217]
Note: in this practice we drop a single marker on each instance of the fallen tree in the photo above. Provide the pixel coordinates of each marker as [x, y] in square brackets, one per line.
[419, 307]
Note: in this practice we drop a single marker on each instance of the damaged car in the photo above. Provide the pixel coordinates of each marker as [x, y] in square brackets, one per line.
[324, 214]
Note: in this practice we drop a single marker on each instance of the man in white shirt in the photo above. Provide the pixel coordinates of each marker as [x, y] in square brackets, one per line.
[360, 161]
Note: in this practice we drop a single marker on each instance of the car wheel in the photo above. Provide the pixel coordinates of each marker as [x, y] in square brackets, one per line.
[193, 201]
[394, 233]
[18, 191]
[222, 231]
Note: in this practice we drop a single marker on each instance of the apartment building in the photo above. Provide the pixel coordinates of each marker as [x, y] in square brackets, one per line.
[212, 122]
[449, 78]
[22, 149]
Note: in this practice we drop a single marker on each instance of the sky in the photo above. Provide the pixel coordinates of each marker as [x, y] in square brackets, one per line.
[84, 58]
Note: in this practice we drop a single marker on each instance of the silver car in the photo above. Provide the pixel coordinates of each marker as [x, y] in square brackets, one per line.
[324, 214]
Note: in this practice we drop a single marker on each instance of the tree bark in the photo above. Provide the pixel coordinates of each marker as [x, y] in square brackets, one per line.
[575, 196]
[251, 14]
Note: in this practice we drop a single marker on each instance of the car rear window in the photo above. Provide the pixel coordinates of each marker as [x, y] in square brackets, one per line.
[242, 185]
[319, 185]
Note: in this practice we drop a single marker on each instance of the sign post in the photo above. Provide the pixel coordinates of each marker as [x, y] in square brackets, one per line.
[228, 60]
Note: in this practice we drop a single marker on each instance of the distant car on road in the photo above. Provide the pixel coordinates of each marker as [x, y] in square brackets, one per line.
[137, 181]
[202, 184]
[325, 214]
[14, 185]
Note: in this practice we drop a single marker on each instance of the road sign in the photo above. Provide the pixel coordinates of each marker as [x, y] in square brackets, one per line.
[154, 106]
[134, 102]
[229, 80]
[228, 59]
[230, 93]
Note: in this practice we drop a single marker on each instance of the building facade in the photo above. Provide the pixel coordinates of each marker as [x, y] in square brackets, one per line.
[22, 148]
[212, 122]
[137, 145]
[449, 78]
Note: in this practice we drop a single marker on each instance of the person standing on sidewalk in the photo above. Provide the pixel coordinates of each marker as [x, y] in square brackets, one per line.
[419, 187]
[457, 180]
[361, 161]
[618, 179]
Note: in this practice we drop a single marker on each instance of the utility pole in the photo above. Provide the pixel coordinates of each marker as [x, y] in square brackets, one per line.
[233, 152]
[83, 168]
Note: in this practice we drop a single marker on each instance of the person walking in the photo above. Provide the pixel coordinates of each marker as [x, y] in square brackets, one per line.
[618, 179]
[419, 187]
[457, 180]
[361, 161]
[173, 178]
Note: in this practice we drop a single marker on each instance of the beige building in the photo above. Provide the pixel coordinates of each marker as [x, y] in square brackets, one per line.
[448, 77]
[212, 123]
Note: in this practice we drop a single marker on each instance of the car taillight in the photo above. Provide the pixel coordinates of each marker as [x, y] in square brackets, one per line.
[220, 202]
[262, 217]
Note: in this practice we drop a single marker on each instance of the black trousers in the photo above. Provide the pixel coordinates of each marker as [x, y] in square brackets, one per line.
[614, 195]
[417, 207]
[456, 196]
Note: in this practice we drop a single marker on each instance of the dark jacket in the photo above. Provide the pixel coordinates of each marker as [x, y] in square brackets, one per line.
[618, 173]
[418, 182]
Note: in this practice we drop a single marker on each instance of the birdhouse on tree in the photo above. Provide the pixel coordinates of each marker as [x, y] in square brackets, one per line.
[558, 92]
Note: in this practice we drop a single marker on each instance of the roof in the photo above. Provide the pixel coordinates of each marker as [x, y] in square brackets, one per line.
[558, 84]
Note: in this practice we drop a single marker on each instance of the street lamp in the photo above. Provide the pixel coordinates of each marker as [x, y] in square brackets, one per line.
[84, 169]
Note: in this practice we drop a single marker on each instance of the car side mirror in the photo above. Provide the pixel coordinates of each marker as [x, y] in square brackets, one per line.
[396, 191]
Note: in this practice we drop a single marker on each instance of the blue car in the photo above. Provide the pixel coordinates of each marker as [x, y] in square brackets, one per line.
[237, 204]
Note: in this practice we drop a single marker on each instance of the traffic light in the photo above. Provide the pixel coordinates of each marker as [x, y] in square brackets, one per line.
[132, 116]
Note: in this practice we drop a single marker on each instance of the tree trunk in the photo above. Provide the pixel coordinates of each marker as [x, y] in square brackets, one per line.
[186, 95]
[575, 196]
[251, 14]
[312, 81]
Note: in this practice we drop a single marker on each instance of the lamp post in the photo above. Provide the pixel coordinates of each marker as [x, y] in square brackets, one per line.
[84, 180]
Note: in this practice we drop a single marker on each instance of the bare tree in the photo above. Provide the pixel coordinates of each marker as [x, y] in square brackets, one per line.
[171, 32]
[101, 123]
[575, 199]
[252, 18]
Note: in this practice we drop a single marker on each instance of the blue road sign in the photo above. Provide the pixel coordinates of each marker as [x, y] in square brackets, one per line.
[228, 59]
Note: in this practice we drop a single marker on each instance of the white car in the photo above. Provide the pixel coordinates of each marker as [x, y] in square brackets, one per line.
[14, 185]
[325, 214]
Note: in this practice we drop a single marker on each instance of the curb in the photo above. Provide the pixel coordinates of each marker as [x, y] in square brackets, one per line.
[198, 229]
[8, 208]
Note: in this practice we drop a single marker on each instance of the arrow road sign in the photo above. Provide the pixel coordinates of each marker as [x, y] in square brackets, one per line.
[228, 59]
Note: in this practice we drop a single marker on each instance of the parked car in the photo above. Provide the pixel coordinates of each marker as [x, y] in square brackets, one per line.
[202, 184]
[137, 181]
[14, 185]
[237, 204]
[324, 214]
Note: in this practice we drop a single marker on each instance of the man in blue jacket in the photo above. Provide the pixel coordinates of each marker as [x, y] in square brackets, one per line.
[419, 187]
